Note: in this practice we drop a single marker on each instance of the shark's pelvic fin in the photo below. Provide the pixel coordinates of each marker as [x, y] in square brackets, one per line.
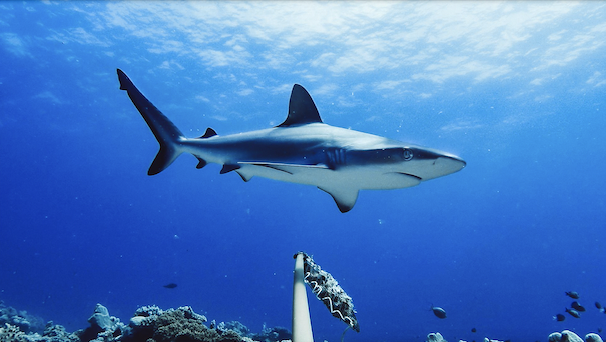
[167, 134]
[228, 168]
[302, 109]
[245, 177]
[344, 197]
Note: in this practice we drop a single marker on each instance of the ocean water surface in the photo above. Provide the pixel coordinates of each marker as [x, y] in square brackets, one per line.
[516, 89]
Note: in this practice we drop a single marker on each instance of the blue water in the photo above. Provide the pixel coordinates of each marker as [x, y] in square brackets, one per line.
[515, 89]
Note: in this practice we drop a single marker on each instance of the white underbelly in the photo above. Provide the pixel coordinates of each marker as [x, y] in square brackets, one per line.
[355, 177]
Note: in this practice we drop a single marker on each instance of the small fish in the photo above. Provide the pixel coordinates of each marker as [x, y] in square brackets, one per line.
[170, 286]
[439, 312]
[473, 330]
[575, 305]
[572, 294]
[559, 317]
[598, 305]
[599, 330]
[574, 313]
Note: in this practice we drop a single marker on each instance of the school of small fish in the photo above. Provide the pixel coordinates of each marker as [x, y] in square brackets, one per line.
[576, 308]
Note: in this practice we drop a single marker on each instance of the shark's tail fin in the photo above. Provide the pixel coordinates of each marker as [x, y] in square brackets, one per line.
[168, 135]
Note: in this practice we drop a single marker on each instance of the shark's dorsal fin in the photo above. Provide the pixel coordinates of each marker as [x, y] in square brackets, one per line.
[302, 109]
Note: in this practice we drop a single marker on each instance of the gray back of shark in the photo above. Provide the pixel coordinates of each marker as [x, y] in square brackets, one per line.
[302, 150]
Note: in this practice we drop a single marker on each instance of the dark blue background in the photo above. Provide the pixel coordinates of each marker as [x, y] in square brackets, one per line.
[496, 244]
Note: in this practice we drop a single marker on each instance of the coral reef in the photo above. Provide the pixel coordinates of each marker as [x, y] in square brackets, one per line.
[21, 319]
[52, 333]
[236, 326]
[569, 336]
[149, 324]
[103, 327]
[275, 334]
[152, 324]
[435, 337]
[176, 325]
[11, 333]
[593, 338]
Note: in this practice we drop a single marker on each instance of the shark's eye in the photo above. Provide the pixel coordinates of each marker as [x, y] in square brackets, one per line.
[407, 154]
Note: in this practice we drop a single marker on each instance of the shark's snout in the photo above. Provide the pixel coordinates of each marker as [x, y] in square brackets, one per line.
[450, 164]
[429, 164]
[442, 166]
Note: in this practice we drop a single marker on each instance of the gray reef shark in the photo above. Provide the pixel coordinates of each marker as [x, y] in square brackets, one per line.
[302, 150]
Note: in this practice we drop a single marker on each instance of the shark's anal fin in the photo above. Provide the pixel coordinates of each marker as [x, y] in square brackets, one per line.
[302, 109]
[344, 197]
[228, 168]
[201, 163]
[209, 133]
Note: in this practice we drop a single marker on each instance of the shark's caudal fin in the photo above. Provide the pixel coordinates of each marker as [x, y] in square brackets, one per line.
[167, 134]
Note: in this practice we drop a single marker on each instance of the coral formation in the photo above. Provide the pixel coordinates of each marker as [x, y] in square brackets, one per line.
[592, 337]
[21, 319]
[52, 333]
[569, 336]
[11, 333]
[57, 333]
[152, 324]
[435, 337]
[176, 325]
[103, 327]
[183, 324]
[236, 326]
[275, 334]
[149, 324]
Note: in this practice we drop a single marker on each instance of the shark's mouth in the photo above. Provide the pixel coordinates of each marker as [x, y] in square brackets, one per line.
[410, 175]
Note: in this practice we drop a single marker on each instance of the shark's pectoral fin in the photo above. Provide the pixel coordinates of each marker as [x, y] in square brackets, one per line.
[344, 197]
[228, 168]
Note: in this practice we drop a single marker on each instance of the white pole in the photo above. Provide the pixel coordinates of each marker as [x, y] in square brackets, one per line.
[301, 321]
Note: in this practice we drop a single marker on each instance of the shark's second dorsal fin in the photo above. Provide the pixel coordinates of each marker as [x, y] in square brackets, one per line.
[209, 133]
[302, 109]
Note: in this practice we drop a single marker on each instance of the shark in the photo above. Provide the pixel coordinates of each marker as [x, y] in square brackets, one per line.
[302, 149]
